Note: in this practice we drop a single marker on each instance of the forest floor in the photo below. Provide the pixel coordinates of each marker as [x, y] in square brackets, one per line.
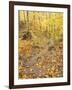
[41, 61]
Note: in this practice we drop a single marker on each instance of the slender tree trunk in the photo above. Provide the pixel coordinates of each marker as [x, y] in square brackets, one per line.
[27, 21]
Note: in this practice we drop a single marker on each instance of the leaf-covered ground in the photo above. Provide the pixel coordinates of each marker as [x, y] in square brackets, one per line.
[40, 44]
